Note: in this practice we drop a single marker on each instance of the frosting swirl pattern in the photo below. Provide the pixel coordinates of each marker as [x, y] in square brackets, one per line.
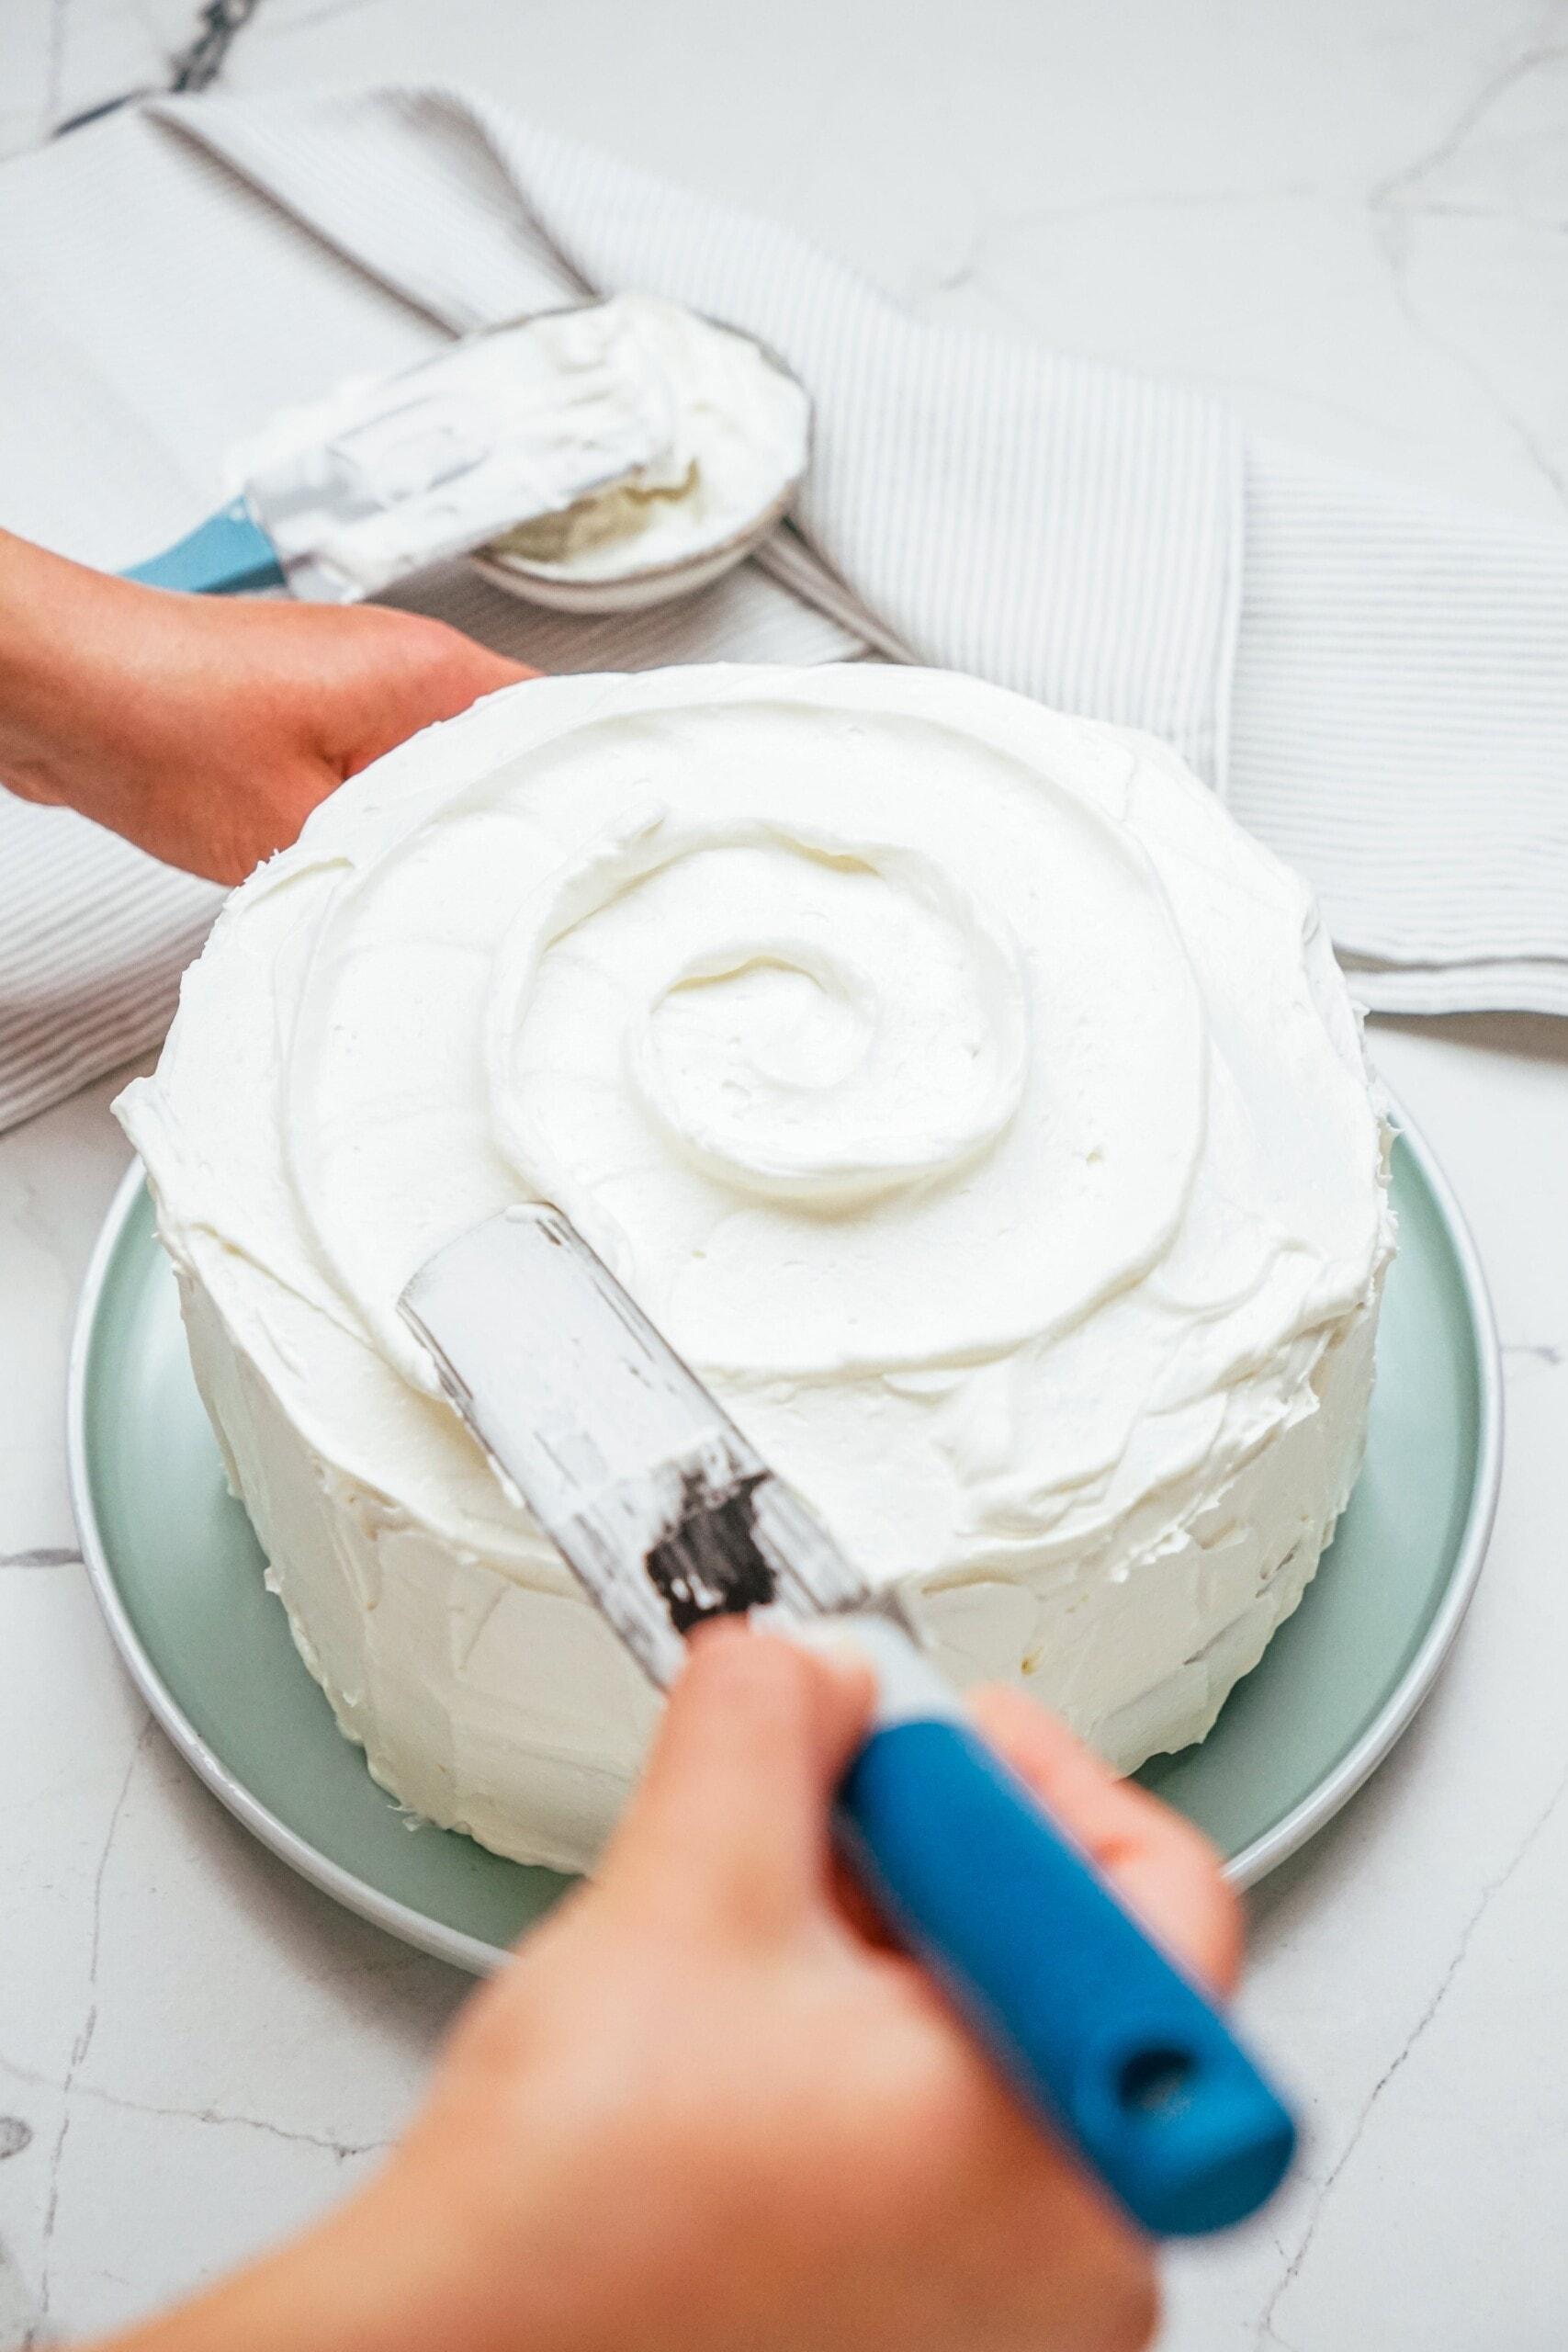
[966, 1098]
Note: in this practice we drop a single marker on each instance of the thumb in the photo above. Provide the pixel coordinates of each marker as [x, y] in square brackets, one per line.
[729, 1826]
[1166, 1870]
[417, 671]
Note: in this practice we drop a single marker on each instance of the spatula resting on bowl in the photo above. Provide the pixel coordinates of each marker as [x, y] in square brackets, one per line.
[669, 1517]
[391, 474]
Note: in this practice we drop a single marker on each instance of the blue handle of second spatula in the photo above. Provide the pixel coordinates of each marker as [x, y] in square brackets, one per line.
[222, 557]
[1093, 2024]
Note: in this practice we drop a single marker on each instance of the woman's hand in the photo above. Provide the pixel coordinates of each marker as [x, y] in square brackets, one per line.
[204, 729]
[709, 2109]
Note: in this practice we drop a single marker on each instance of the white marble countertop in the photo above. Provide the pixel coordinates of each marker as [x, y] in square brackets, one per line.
[1351, 217]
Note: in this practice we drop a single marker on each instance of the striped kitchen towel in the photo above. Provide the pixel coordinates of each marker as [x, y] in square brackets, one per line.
[1376, 681]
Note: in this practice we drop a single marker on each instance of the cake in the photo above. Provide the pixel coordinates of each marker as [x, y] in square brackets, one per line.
[965, 1096]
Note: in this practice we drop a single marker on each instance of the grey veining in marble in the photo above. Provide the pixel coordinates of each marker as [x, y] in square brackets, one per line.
[68, 62]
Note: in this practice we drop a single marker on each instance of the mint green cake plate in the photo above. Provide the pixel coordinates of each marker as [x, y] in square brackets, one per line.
[179, 1574]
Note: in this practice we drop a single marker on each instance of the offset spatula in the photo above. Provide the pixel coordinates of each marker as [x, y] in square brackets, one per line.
[669, 1517]
[428, 464]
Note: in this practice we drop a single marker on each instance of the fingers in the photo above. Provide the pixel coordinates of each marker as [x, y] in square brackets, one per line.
[417, 671]
[1167, 1872]
[464, 671]
[730, 1822]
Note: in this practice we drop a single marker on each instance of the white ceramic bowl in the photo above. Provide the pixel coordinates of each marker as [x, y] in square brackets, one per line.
[651, 583]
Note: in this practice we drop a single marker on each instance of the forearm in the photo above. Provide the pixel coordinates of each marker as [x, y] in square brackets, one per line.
[371, 2277]
[54, 617]
[413, 2263]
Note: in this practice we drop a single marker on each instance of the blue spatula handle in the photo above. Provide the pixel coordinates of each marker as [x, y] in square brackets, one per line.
[1095, 2026]
[225, 556]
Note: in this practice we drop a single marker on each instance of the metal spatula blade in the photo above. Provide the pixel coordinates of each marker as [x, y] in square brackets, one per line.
[666, 1512]
[669, 1517]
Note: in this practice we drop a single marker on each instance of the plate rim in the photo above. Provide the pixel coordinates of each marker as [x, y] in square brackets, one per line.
[477, 1957]
[1399, 1710]
[455, 1945]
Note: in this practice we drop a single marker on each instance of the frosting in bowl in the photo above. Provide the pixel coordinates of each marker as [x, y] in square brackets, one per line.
[739, 429]
[966, 1098]
[633, 435]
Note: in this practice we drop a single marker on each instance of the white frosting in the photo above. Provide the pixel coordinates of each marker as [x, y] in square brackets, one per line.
[632, 433]
[965, 1096]
[739, 438]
